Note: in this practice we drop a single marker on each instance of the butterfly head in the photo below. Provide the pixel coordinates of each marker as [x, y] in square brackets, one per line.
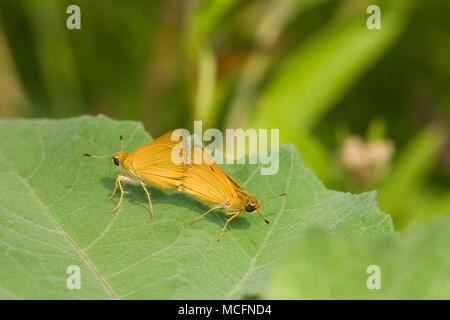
[119, 158]
[252, 205]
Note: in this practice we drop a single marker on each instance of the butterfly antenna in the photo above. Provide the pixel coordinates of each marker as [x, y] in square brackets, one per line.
[280, 195]
[265, 220]
[93, 156]
[121, 143]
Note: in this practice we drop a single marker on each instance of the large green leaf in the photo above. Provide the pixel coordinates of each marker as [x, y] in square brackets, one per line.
[54, 213]
[324, 266]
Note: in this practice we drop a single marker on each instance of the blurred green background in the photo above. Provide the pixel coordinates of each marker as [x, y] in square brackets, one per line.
[368, 109]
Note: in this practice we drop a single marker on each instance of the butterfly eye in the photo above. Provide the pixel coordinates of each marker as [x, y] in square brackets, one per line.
[250, 207]
[116, 161]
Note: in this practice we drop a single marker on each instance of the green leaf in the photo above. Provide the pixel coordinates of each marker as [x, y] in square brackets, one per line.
[324, 266]
[54, 214]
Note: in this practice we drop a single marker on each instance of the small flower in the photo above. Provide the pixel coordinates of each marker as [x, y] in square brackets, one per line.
[366, 161]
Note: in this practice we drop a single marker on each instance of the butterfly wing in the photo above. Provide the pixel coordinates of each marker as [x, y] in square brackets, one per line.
[153, 162]
[207, 181]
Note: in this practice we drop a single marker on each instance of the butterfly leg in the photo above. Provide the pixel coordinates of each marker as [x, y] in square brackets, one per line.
[119, 177]
[226, 223]
[114, 192]
[213, 208]
[148, 196]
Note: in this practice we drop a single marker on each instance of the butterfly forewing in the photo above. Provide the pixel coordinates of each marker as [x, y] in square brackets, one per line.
[207, 181]
[152, 162]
